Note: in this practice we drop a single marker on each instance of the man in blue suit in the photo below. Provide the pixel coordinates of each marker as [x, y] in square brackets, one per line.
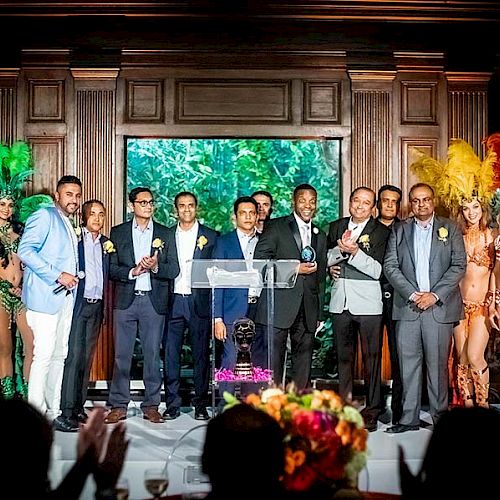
[234, 303]
[93, 255]
[189, 308]
[49, 250]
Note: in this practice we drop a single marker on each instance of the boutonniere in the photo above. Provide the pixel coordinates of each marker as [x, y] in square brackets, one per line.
[315, 230]
[443, 234]
[78, 232]
[202, 241]
[365, 241]
[108, 247]
[158, 244]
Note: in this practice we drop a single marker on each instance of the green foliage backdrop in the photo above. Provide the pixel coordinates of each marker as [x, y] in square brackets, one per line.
[220, 170]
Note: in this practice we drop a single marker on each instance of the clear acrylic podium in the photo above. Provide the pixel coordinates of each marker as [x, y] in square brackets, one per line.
[253, 275]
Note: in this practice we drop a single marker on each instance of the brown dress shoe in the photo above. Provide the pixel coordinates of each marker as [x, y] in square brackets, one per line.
[151, 413]
[115, 415]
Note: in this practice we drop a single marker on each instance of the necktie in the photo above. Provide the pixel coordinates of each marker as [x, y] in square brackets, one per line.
[306, 241]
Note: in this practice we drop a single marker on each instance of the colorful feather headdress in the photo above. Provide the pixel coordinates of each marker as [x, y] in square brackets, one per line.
[15, 168]
[461, 178]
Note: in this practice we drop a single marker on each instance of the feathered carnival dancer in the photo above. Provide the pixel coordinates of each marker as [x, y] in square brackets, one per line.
[15, 168]
[464, 185]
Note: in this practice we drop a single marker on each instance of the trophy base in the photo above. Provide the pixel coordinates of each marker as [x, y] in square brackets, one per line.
[243, 370]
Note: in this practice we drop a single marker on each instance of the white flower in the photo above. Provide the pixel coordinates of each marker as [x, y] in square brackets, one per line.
[269, 393]
[315, 230]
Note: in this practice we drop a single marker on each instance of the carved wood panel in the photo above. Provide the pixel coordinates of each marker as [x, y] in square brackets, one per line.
[322, 102]
[233, 101]
[144, 101]
[48, 158]
[45, 101]
[419, 103]
[8, 107]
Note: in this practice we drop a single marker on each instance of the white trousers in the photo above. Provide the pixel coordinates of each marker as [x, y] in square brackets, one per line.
[50, 348]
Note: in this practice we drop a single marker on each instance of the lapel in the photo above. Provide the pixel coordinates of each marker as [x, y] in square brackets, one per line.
[197, 251]
[130, 238]
[105, 260]
[408, 228]
[435, 243]
[294, 228]
[236, 246]
[81, 255]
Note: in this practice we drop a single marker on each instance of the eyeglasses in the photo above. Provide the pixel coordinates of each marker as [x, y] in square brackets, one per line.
[145, 203]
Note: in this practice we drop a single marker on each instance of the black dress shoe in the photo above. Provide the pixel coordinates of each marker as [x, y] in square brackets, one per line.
[171, 413]
[201, 413]
[81, 416]
[65, 424]
[371, 426]
[398, 428]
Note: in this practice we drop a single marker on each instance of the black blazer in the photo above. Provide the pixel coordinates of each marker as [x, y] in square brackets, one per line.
[123, 260]
[201, 296]
[281, 240]
[81, 266]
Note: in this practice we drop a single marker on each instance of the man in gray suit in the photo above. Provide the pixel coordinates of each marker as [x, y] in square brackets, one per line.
[424, 262]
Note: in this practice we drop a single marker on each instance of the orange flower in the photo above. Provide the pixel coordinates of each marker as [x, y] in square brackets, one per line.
[343, 429]
[253, 399]
[359, 439]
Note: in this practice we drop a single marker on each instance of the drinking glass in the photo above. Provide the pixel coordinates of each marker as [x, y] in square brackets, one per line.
[156, 481]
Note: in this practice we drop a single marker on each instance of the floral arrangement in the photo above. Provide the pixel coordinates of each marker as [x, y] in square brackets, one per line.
[325, 437]
[158, 244]
[443, 234]
[364, 239]
[108, 246]
[202, 241]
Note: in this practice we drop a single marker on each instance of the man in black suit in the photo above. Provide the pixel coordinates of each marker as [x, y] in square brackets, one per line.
[388, 204]
[143, 265]
[190, 308]
[298, 310]
[356, 299]
[265, 202]
[93, 259]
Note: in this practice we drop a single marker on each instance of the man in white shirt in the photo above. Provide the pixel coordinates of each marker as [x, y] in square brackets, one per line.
[356, 298]
[189, 308]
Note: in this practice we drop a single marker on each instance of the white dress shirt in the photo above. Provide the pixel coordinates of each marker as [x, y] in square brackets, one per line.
[305, 230]
[186, 243]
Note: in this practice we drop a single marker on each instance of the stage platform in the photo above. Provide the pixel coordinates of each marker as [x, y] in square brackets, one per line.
[151, 445]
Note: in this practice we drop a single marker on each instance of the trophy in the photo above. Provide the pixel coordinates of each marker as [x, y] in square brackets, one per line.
[308, 254]
[243, 336]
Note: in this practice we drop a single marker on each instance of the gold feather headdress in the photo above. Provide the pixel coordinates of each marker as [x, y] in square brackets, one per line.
[461, 178]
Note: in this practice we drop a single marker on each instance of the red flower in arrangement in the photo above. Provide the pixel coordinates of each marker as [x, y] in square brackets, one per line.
[325, 437]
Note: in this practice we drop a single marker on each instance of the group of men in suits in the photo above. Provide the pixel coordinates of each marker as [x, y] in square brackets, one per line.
[384, 276]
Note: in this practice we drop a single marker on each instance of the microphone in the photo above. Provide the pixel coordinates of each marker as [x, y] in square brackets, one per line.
[80, 275]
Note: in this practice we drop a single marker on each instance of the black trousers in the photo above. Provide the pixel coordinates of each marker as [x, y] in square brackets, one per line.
[397, 383]
[183, 316]
[302, 340]
[87, 320]
[346, 327]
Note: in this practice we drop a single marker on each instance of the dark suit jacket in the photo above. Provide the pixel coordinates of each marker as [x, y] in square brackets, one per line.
[446, 269]
[81, 265]
[123, 260]
[281, 240]
[230, 303]
[201, 296]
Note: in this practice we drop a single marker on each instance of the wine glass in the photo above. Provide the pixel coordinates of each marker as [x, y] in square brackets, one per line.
[122, 490]
[156, 481]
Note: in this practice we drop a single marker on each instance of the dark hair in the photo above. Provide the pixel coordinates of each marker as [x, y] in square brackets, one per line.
[68, 179]
[389, 187]
[132, 196]
[303, 187]
[29, 441]
[87, 207]
[420, 185]
[259, 448]
[185, 193]
[263, 193]
[244, 199]
[363, 188]
[459, 433]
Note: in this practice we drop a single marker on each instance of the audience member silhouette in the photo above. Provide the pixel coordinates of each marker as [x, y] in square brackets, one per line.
[27, 435]
[243, 455]
[457, 464]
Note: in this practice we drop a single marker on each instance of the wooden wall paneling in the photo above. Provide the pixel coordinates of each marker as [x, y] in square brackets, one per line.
[468, 108]
[418, 103]
[8, 105]
[233, 101]
[94, 110]
[45, 101]
[144, 101]
[371, 128]
[322, 102]
[48, 159]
